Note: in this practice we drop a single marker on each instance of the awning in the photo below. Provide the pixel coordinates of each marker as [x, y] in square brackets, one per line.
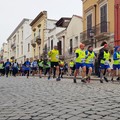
[96, 50]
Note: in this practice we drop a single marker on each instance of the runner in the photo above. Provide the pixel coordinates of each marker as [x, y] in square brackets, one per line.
[71, 67]
[15, 68]
[54, 57]
[2, 70]
[61, 65]
[116, 63]
[40, 65]
[27, 67]
[104, 64]
[80, 62]
[7, 67]
[34, 67]
[90, 56]
[47, 65]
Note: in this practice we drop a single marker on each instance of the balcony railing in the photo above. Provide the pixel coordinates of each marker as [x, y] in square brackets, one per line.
[33, 43]
[38, 40]
[98, 30]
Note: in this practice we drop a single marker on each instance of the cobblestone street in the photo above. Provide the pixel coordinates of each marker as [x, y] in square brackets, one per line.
[42, 99]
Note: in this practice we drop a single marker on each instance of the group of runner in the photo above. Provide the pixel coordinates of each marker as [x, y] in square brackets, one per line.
[55, 65]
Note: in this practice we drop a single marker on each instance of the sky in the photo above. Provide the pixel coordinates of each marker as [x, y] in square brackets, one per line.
[13, 11]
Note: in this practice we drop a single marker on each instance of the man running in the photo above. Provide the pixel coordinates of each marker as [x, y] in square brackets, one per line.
[104, 63]
[80, 62]
[116, 63]
[27, 67]
[15, 68]
[34, 67]
[71, 67]
[54, 57]
[90, 56]
[7, 67]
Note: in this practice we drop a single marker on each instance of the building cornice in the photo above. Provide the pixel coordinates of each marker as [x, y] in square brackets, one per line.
[38, 17]
[21, 23]
[100, 1]
[88, 9]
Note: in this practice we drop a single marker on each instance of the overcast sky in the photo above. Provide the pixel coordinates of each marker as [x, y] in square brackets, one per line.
[13, 11]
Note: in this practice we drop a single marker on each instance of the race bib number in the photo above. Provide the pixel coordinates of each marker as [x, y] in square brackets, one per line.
[106, 62]
[119, 61]
[82, 60]
[57, 56]
[15, 64]
[27, 65]
[61, 68]
[91, 61]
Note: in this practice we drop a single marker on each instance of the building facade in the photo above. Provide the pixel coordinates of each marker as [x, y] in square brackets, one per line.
[40, 28]
[117, 22]
[73, 30]
[52, 38]
[17, 45]
[5, 51]
[98, 22]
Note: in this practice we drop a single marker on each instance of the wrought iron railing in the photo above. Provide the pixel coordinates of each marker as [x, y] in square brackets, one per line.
[98, 29]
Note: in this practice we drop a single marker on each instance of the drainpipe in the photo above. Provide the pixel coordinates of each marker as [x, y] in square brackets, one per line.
[95, 24]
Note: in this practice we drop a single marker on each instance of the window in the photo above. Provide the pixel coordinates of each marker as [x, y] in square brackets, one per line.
[22, 49]
[103, 18]
[22, 34]
[34, 36]
[39, 33]
[18, 37]
[59, 45]
[71, 46]
[28, 47]
[17, 51]
[51, 44]
[89, 24]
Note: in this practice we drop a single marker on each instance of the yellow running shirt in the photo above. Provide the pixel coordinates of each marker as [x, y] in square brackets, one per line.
[54, 55]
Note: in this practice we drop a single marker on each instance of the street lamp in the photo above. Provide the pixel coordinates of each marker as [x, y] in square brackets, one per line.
[92, 36]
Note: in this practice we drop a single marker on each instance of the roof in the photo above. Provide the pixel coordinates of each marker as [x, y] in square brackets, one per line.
[38, 16]
[63, 22]
[78, 16]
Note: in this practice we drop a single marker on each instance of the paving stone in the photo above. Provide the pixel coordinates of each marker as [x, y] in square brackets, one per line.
[36, 99]
[109, 118]
[49, 118]
[66, 116]
[74, 118]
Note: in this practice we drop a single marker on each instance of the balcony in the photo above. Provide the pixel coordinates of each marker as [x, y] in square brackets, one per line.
[33, 43]
[13, 46]
[38, 40]
[101, 31]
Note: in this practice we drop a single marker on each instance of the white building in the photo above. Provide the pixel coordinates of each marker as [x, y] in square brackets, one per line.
[52, 39]
[73, 30]
[5, 51]
[19, 42]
